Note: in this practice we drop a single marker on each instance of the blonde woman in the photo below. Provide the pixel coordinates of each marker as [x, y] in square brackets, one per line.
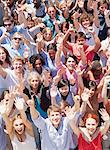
[20, 128]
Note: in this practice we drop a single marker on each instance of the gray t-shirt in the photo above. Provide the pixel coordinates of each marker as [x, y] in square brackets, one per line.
[3, 140]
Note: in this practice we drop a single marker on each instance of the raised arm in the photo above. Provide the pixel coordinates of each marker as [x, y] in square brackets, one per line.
[8, 122]
[33, 111]
[105, 116]
[58, 56]
[96, 39]
[96, 18]
[19, 103]
[104, 89]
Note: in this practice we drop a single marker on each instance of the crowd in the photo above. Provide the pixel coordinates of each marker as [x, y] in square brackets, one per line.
[54, 75]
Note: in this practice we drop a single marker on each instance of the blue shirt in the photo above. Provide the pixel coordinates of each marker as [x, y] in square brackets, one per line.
[55, 139]
[15, 29]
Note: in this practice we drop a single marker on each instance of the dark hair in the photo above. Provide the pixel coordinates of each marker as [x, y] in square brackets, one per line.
[3, 94]
[7, 60]
[72, 56]
[65, 24]
[92, 84]
[63, 82]
[33, 59]
[51, 46]
[80, 35]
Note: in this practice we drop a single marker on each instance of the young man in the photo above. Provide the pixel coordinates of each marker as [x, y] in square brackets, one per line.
[56, 133]
[80, 43]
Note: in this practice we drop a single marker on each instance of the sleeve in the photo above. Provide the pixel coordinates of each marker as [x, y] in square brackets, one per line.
[39, 123]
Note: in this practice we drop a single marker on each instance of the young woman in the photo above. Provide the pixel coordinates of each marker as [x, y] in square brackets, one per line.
[90, 136]
[20, 129]
[4, 58]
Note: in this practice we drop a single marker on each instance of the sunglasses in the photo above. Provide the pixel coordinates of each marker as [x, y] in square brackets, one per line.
[16, 38]
[7, 24]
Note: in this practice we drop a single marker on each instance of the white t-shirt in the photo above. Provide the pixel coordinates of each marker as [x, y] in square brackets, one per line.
[28, 144]
[89, 36]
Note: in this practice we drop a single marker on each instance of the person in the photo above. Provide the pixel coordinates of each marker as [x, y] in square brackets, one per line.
[20, 129]
[89, 51]
[5, 58]
[7, 31]
[19, 45]
[52, 132]
[90, 136]
[34, 80]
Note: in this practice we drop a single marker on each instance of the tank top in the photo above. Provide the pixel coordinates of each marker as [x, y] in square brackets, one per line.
[94, 145]
[28, 144]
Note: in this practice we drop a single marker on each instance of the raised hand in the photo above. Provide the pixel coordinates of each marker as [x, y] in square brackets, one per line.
[107, 79]
[31, 102]
[85, 95]
[104, 115]
[53, 91]
[19, 103]
[90, 29]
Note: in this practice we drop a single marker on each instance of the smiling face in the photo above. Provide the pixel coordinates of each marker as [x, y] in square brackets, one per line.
[19, 126]
[17, 40]
[8, 25]
[34, 82]
[52, 12]
[55, 118]
[86, 23]
[2, 55]
[91, 125]
[38, 66]
[18, 66]
[47, 35]
[64, 90]
[70, 64]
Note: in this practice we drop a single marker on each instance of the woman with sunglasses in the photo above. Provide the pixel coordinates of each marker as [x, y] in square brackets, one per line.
[19, 45]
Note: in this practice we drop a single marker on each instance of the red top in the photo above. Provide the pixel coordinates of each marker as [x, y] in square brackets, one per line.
[89, 51]
[94, 145]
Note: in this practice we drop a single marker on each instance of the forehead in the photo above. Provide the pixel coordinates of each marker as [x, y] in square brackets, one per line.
[54, 113]
[18, 121]
[90, 121]
[81, 39]
[34, 77]
[17, 61]
[51, 9]
[70, 59]
[2, 50]
[7, 21]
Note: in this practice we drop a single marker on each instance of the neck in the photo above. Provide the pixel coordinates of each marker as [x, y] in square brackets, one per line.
[5, 65]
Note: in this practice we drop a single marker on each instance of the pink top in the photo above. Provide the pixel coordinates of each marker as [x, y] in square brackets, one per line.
[94, 145]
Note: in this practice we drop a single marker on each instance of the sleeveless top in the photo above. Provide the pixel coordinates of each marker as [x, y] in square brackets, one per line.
[95, 144]
[28, 144]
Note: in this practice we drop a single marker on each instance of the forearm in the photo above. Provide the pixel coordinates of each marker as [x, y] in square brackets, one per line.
[107, 20]
[96, 18]
[104, 91]
[106, 126]
[34, 113]
[97, 42]
[83, 107]
[8, 123]
[22, 19]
